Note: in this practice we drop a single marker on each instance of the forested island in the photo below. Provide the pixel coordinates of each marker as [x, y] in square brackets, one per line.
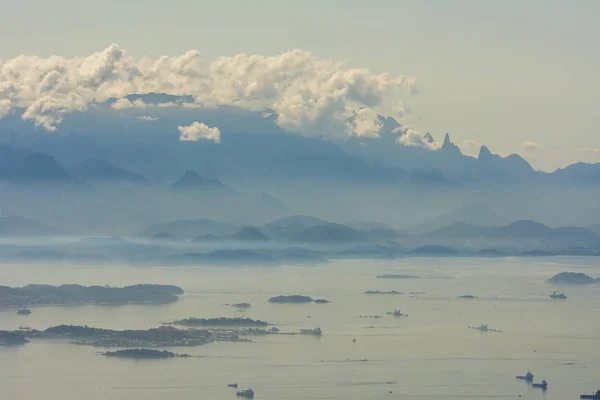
[295, 298]
[221, 321]
[391, 292]
[397, 276]
[572, 278]
[143, 354]
[78, 294]
[165, 336]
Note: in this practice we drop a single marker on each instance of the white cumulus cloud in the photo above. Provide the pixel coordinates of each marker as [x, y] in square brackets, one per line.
[532, 147]
[199, 131]
[412, 137]
[309, 95]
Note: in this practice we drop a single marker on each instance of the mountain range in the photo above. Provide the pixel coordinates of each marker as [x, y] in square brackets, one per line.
[254, 145]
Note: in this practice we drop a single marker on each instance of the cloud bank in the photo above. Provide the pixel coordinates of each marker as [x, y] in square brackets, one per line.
[310, 95]
[199, 131]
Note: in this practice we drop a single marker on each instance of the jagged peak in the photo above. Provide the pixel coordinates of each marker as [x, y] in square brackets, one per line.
[428, 138]
[447, 141]
[484, 152]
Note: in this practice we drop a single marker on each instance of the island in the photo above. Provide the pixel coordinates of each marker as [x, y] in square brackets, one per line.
[78, 294]
[295, 298]
[322, 301]
[397, 276]
[9, 338]
[221, 321]
[143, 354]
[466, 296]
[165, 336]
[392, 292]
[572, 278]
[241, 305]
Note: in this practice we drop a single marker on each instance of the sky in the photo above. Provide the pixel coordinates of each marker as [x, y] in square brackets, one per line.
[517, 76]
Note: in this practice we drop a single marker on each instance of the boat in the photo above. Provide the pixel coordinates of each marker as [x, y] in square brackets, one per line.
[543, 385]
[527, 377]
[24, 311]
[560, 296]
[595, 396]
[316, 331]
[233, 385]
[484, 328]
[396, 313]
[247, 394]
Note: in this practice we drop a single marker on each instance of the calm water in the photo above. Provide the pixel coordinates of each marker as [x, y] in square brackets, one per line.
[429, 355]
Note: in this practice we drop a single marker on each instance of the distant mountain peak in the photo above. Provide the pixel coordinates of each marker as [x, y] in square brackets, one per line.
[428, 138]
[484, 153]
[449, 147]
[447, 141]
[191, 180]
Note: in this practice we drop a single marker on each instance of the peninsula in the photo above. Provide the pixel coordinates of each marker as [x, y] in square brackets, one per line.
[77, 294]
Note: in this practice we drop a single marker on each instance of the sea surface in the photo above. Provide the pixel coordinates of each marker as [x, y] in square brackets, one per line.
[431, 354]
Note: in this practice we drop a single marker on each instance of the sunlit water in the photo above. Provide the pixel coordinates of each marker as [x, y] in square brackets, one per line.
[431, 354]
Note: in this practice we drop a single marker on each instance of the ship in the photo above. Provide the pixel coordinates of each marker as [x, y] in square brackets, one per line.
[595, 396]
[396, 313]
[484, 328]
[543, 385]
[560, 296]
[527, 377]
[233, 385]
[24, 311]
[247, 394]
[316, 331]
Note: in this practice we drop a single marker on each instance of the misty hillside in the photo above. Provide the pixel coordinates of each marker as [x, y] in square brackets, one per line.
[475, 214]
[288, 227]
[190, 229]
[95, 170]
[192, 182]
[20, 227]
[328, 234]
[519, 230]
[250, 234]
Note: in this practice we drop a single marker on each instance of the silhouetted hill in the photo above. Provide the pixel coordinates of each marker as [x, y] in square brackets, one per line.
[189, 229]
[572, 278]
[20, 227]
[580, 173]
[192, 182]
[594, 228]
[329, 233]
[164, 236]
[474, 214]
[250, 234]
[102, 171]
[524, 229]
[494, 168]
[41, 168]
[288, 227]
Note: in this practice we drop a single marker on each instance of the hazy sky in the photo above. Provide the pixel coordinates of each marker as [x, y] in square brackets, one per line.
[496, 73]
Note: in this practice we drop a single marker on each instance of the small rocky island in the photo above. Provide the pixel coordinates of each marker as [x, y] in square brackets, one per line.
[391, 292]
[397, 276]
[294, 298]
[143, 354]
[467, 296]
[221, 321]
[572, 278]
[322, 301]
[77, 294]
